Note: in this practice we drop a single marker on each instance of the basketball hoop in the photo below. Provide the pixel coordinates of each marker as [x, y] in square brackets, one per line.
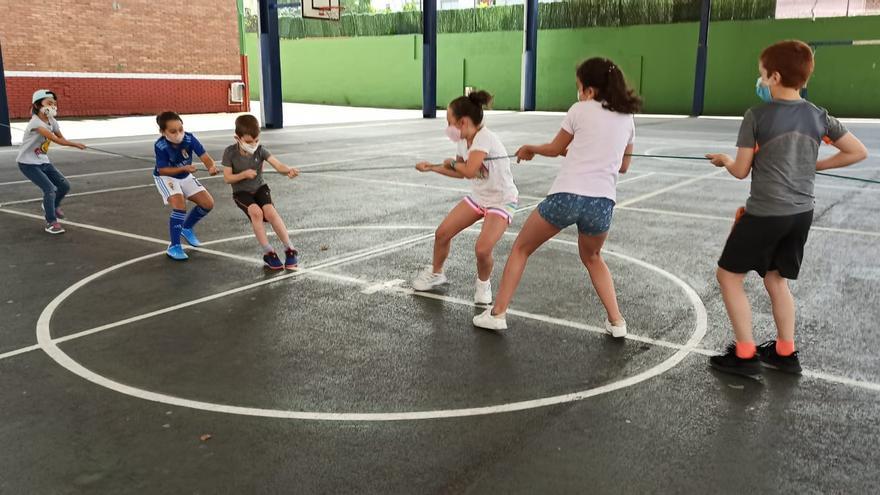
[327, 10]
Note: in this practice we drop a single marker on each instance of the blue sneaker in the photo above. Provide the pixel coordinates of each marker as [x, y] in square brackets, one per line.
[175, 252]
[190, 237]
[272, 262]
[291, 259]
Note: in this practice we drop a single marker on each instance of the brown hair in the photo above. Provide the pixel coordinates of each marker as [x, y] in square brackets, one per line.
[792, 59]
[247, 125]
[165, 117]
[471, 105]
[607, 79]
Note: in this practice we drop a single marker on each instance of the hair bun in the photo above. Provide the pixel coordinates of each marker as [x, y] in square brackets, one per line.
[480, 97]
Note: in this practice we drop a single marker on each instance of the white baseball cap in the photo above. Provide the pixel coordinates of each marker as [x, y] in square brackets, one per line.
[40, 94]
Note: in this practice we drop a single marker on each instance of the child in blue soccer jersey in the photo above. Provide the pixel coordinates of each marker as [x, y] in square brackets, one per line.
[174, 179]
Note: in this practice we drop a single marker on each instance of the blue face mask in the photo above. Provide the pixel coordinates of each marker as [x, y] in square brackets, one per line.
[763, 91]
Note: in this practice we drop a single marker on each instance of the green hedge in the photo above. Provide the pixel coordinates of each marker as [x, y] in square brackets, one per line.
[555, 15]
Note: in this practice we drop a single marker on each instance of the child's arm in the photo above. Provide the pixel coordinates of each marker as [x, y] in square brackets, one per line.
[231, 177]
[739, 168]
[558, 147]
[472, 167]
[282, 168]
[443, 169]
[851, 151]
[177, 170]
[209, 163]
[58, 138]
[627, 158]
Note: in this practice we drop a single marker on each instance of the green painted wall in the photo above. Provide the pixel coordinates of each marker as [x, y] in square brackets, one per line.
[846, 81]
[658, 61]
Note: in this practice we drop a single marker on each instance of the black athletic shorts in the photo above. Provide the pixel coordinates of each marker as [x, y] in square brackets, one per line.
[261, 197]
[765, 244]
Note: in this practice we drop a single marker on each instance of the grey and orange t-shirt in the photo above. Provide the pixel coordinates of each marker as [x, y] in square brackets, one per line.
[787, 135]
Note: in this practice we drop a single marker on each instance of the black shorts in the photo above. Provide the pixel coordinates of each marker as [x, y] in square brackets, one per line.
[766, 244]
[261, 197]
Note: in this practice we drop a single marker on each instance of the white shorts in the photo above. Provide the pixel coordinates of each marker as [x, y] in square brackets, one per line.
[169, 186]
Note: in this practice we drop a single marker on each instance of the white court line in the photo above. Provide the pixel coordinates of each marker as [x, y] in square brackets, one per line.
[88, 227]
[388, 248]
[392, 286]
[667, 189]
[382, 286]
[637, 177]
[77, 176]
[442, 188]
[96, 191]
[413, 149]
[16, 352]
[49, 346]
[404, 184]
[834, 230]
[865, 188]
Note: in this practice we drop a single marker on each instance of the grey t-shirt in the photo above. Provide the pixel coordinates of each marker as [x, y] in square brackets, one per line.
[34, 147]
[232, 157]
[786, 136]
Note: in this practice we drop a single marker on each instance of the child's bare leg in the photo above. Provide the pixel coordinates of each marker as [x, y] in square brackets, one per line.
[737, 303]
[271, 215]
[590, 250]
[535, 232]
[256, 215]
[493, 228]
[460, 218]
[783, 305]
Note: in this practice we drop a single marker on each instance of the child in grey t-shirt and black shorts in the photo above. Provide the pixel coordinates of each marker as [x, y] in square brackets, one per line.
[778, 146]
[243, 169]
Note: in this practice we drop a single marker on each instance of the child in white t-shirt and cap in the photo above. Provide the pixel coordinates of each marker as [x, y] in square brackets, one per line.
[33, 156]
[483, 159]
[596, 139]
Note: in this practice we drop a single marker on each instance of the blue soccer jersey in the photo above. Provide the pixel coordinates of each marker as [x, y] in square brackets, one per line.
[169, 154]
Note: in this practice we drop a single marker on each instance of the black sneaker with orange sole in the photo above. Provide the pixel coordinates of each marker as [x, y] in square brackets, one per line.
[729, 362]
[771, 359]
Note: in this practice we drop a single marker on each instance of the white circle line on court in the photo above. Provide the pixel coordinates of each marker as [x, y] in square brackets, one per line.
[46, 343]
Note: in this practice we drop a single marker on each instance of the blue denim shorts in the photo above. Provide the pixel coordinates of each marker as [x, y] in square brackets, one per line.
[592, 215]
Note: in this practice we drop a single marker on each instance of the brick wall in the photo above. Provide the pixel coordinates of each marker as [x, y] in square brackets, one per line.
[71, 37]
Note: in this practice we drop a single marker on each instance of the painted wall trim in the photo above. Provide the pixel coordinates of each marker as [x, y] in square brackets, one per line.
[123, 75]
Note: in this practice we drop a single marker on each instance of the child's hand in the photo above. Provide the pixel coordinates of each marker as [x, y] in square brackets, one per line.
[249, 174]
[719, 159]
[78, 145]
[190, 168]
[292, 172]
[524, 153]
[213, 170]
[424, 167]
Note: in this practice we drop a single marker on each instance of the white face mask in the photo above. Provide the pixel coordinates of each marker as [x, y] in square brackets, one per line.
[177, 139]
[50, 112]
[250, 149]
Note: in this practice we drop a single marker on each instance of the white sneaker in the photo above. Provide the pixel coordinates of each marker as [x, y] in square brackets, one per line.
[483, 292]
[617, 331]
[489, 322]
[427, 280]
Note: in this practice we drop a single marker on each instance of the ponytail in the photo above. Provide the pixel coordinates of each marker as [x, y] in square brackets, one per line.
[608, 80]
